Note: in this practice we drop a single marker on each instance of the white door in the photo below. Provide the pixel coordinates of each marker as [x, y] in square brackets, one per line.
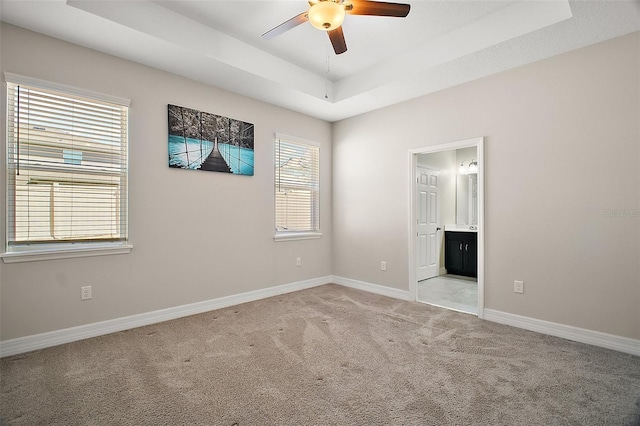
[428, 230]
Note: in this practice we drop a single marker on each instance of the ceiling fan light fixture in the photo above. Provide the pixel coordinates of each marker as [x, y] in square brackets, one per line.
[326, 15]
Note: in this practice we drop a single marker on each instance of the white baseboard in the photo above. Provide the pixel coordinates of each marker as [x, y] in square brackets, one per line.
[582, 335]
[373, 288]
[67, 335]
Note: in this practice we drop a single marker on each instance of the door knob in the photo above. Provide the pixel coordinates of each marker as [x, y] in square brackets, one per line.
[438, 228]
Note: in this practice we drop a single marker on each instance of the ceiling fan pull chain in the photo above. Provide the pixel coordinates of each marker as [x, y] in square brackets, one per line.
[326, 81]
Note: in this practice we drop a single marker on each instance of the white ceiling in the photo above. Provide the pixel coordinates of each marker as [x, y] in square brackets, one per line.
[439, 45]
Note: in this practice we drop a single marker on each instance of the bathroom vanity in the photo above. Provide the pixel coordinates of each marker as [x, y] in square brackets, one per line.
[461, 253]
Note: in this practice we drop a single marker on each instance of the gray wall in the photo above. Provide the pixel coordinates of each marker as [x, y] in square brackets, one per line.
[196, 235]
[561, 148]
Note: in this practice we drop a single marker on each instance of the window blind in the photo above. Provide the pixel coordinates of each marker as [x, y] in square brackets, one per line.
[67, 167]
[297, 186]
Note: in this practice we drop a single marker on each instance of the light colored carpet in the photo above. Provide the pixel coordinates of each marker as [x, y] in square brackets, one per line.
[325, 356]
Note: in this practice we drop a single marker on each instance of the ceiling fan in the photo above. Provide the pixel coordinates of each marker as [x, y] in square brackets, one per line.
[328, 15]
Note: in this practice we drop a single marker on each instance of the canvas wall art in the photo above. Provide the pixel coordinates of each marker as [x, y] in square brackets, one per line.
[203, 141]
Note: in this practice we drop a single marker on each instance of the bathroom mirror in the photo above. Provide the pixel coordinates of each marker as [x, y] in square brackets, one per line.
[467, 199]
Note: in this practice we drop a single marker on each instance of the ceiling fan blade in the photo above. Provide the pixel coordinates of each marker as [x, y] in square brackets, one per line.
[287, 25]
[376, 8]
[337, 40]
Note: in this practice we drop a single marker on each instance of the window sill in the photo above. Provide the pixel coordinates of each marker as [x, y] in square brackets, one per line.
[293, 236]
[50, 253]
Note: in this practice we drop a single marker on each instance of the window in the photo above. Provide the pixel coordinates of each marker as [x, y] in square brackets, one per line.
[297, 188]
[66, 167]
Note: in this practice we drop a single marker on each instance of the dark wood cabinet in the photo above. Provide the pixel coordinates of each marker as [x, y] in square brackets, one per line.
[461, 253]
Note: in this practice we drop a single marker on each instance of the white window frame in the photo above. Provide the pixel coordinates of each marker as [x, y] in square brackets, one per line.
[67, 249]
[284, 235]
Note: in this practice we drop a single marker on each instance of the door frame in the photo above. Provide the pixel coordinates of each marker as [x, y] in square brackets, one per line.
[413, 163]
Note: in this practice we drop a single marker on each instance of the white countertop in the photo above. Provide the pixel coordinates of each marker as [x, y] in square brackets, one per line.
[460, 228]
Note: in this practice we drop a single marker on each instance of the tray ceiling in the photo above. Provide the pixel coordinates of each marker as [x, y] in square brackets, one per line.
[389, 60]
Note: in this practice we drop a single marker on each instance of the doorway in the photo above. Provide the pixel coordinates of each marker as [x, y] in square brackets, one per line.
[444, 217]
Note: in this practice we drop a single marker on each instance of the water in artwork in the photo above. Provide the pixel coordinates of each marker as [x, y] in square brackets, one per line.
[188, 153]
[239, 159]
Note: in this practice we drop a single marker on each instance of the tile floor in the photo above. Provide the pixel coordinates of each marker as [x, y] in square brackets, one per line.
[450, 291]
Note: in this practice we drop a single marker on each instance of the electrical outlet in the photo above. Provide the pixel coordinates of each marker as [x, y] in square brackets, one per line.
[298, 261]
[85, 292]
[518, 286]
[383, 266]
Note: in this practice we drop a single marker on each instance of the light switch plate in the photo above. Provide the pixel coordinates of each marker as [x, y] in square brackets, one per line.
[518, 286]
